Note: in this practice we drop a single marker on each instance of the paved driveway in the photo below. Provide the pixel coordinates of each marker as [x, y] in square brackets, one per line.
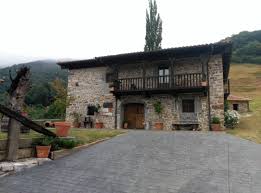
[150, 162]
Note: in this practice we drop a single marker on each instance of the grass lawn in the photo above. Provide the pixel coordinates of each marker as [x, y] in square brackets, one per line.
[246, 81]
[84, 135]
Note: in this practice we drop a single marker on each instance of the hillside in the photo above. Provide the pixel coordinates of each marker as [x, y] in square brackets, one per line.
[42, 73]
[246, 81]
[247, 47]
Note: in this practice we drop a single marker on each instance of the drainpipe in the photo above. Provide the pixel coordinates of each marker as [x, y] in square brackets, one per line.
[116, 112]
[208, 90]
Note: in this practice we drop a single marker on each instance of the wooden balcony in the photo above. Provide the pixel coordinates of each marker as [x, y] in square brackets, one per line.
[160, 84]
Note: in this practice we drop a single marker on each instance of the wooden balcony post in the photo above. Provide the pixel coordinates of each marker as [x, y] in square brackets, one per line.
[172, 72]
[144, 74]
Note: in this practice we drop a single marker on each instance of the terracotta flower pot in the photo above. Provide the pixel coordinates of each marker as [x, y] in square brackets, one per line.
[216, 127]
[99, 125]
[25, 114]
[62, 128]
[158, 125]
[125, 125]
[77, 124]
[43, 151]
[204, 83]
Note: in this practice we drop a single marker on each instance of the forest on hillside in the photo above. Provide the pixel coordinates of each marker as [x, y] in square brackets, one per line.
[247, 47]
[48, 83]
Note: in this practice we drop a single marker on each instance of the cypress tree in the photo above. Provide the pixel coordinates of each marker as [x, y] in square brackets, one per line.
[153, 28]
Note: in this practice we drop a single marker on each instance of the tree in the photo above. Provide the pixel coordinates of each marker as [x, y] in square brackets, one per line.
[17, 91]
[58, 107]
[153, 28]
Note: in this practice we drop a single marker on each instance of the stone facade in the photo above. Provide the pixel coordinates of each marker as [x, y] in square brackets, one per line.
[216, 87]
[172, 110]
[243, 106]
[88, 86]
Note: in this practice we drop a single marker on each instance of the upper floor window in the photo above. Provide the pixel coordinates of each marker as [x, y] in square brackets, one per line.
[188, 106]
[163, 75]
[109, 77]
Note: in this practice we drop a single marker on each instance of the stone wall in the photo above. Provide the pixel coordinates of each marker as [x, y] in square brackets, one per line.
[88, 87]
[216, 87]
[243, 106]
[181, 66]
[172, 110]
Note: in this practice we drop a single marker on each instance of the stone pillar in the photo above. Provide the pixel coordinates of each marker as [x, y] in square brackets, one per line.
[216, 87]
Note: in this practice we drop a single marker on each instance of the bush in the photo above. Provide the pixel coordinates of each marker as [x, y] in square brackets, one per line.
[45, 141]
[231, 119]
[215, 120]
[57, 143]
[158, 107]
[68, 144]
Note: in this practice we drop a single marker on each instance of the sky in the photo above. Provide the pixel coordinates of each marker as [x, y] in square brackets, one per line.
[82, 29]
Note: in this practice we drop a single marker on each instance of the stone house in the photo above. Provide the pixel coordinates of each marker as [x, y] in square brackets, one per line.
[238, 103]
[191, 84]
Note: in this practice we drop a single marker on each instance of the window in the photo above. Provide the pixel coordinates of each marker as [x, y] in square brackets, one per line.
[163, 75]
[235, 107]
[188, 106]
[109, 77]
[107, 105]
[91, 110]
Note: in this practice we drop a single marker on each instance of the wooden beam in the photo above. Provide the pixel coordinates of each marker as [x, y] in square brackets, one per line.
[25, 121]
[143, 74]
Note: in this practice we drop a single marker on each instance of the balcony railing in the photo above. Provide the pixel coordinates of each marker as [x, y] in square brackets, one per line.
[149, 83]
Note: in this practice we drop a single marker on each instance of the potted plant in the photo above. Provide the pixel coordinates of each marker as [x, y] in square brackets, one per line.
[43, 146]
[204, 83]
[98, 123]
[125, 124]
[158, 109]
[62, 128]
[76, 120]
[215, 124]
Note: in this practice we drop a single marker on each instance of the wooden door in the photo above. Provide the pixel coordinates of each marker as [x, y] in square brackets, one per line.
[134, 115]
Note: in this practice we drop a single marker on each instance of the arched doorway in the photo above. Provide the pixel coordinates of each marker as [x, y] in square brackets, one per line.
[134, 115]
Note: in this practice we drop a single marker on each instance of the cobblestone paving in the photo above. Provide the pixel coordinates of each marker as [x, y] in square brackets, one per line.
[149, 162]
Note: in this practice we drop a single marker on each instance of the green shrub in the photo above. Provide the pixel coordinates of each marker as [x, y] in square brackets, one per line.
[44, 141]
[231, 119]
[57, 143]
[226, 106]
[215, 120]
[158, 107]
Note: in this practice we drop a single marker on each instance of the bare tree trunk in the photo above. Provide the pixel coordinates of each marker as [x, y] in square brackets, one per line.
[13, 139]
[17, 92]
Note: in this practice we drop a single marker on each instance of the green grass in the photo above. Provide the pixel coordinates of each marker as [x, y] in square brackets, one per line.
[84, 135]
[246, 81]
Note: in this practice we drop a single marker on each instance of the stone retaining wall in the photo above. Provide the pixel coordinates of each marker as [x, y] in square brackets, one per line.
[25, 149]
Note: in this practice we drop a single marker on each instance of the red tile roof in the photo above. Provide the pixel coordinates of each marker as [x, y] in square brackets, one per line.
[237, 98]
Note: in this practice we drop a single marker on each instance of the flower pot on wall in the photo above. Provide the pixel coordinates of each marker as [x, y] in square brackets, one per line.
[204, 83]
[158, 125]
[77, 124]
[98, 125]
[125, 125]
[216, 127]
[62, 128]
[42, 151]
